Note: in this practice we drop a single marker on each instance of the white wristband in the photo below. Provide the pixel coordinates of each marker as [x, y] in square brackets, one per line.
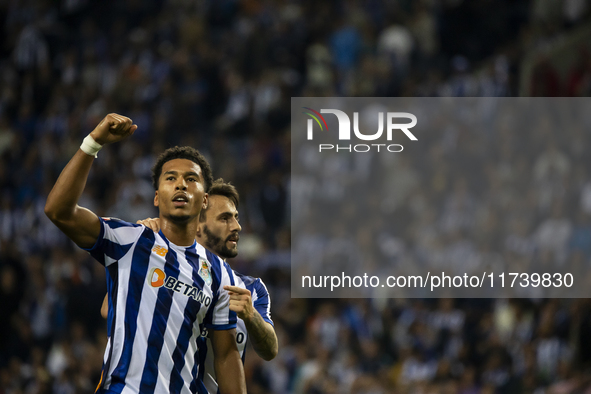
[90, 146]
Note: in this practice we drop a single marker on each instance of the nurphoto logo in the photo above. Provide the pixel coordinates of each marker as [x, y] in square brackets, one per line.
[392, 124]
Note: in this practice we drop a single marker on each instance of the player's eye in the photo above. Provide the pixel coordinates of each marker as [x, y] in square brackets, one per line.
[170, 178]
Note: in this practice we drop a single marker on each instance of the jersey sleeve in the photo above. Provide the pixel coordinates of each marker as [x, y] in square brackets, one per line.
[222, 318]
[262, 303]
[115, 240]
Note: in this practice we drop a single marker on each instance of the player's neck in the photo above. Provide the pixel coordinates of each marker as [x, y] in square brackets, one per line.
[181, 234]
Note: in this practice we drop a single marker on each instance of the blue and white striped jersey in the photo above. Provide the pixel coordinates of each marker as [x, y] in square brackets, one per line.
[161, 297]
[262, 303]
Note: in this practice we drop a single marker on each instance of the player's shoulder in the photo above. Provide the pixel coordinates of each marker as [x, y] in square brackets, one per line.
[244, 280]
[250, 282]
[117, 223]
[120, 231]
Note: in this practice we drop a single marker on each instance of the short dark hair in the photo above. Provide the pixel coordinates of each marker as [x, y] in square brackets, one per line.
[221, 188]
[182, 152]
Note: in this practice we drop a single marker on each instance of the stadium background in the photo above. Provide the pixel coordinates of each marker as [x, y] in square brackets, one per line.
[218, 75]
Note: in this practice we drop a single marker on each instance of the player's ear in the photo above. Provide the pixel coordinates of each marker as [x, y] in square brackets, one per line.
[205, 201]
[156, 198]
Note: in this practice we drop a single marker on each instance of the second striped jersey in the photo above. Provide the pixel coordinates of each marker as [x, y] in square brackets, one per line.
[262, 303]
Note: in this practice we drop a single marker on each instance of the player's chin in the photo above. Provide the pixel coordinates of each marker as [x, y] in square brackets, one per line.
[231, 252]
[180, 217]
[184, 210]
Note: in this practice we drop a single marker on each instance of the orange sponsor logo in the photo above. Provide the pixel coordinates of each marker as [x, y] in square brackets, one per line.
[156, 277]
[159, 250]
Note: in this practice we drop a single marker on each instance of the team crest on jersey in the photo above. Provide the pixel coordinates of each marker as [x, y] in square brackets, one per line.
[204, 271]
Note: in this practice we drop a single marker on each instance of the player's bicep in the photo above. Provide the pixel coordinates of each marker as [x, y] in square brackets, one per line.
[83, 227]
[227, 363]
[263, 302]
[223, 342]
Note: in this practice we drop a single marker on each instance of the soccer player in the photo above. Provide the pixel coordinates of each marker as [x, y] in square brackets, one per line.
[163, 288]
[218, 231]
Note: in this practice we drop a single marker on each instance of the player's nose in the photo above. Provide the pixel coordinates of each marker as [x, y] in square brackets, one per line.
[181, 184]
[236, 226]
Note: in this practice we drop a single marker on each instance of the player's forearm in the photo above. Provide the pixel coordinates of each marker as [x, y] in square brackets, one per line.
[79, 224]
[62, 203]
[63, 199]
[262, 336]
[230, 373]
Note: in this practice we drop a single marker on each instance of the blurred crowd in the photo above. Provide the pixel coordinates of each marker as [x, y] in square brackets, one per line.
[218, 75]
[498, 184]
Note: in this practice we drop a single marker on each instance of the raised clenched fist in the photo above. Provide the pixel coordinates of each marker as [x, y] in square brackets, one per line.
[113, 128]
